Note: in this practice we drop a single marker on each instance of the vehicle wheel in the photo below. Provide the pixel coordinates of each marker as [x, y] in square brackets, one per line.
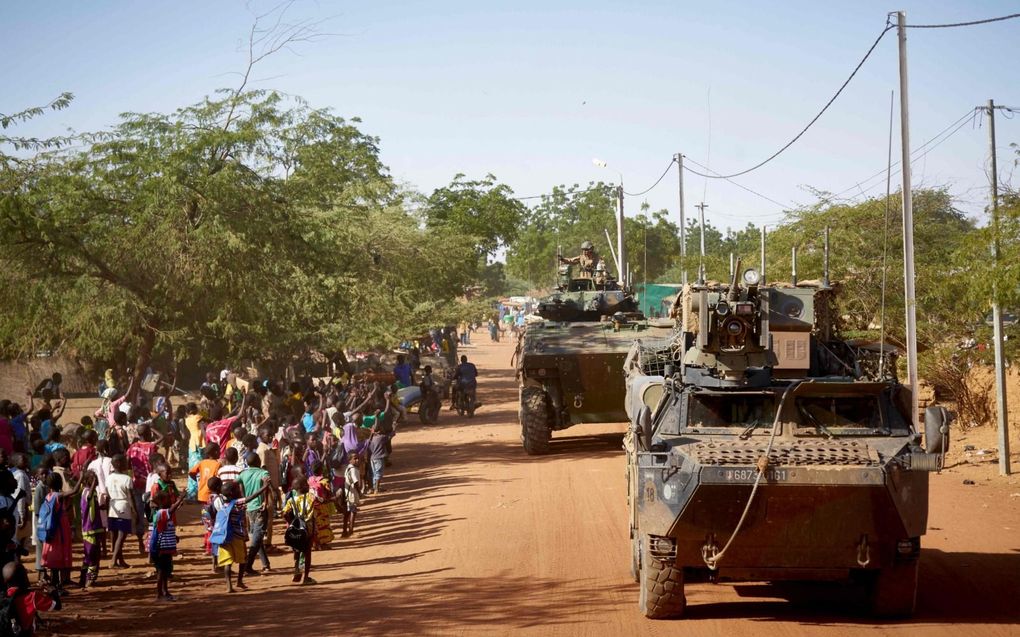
[662, 586]
[535, 431]
[894, 590]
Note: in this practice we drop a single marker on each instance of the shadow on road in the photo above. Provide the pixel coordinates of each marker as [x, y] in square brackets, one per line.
[952, 588]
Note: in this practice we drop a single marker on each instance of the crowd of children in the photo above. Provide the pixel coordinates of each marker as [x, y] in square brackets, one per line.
[306, 453]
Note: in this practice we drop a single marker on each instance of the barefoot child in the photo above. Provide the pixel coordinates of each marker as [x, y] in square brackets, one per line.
[122, 507]
[229, 534]
[320, 487]
[92, 530]
[352, 492]
[301, 505]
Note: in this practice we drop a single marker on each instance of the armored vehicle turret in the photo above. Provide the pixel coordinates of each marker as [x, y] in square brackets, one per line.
[585, 298]
[760, 448]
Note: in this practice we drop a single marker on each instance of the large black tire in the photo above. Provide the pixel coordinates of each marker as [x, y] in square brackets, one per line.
[535, 432]
[894, 590]
[662, 586]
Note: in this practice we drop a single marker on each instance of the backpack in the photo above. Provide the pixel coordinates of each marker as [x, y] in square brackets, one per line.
[296, 535]
[221, 525]
[10, 626]
[48, 520]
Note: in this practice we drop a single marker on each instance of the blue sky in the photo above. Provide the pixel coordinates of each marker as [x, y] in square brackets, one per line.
[532, 91]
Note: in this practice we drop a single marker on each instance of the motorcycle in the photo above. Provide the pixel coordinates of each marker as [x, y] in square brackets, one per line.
[466, 402]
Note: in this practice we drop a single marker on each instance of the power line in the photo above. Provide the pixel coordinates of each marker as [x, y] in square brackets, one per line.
[857, 68]
[962, 24]
[657, 181]
[958, 124]
[753, 192]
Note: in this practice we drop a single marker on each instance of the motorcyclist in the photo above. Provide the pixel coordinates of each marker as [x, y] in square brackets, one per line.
[465, 378]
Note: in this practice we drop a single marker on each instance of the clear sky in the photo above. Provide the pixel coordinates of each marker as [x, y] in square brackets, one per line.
[533, 91]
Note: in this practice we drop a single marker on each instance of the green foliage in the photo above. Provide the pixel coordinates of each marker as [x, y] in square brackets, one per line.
[482, 208]
[20, 143]
[247, 225]
[865, 235]
[653, 245]
[561, 222]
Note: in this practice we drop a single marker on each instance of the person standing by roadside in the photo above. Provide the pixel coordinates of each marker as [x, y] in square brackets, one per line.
[254, 480]
[378, 448]
[403, 372]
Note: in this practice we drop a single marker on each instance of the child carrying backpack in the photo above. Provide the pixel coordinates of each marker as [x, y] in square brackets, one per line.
[54, 531]
[229, 534]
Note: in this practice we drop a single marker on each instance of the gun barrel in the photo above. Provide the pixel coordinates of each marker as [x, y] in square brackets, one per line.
[734, 290]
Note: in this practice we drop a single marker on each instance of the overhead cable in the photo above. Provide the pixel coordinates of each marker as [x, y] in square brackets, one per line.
[816, 117]
[955, 126]
[741, 186]
[657, 181]
[963, 24]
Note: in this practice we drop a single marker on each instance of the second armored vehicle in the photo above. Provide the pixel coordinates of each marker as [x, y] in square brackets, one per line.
[570, 365]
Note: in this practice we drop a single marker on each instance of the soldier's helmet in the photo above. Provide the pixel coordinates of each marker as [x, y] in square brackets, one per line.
[587, 245]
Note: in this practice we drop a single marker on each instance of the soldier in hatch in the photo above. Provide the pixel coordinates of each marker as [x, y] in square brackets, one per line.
[586, 260]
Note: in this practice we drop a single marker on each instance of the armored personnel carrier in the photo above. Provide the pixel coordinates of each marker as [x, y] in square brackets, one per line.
[570, 364]
[759, 450]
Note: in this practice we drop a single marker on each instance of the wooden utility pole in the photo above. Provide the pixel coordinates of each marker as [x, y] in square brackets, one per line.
[683, 220]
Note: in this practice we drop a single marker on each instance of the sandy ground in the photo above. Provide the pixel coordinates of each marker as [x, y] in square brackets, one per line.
[472, 537]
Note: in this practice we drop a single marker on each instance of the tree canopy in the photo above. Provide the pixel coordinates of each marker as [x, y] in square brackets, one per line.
[247, 225]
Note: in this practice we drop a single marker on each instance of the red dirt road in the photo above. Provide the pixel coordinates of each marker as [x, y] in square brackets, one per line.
[474, 537]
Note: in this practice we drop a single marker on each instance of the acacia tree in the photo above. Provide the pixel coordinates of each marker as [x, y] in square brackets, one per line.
[480, 208]
[560, 222]
[228, 225]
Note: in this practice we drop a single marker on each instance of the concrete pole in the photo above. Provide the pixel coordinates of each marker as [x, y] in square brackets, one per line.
[621, 246]
[701, 226]
[909, 296]
[1002, 413]
[683, 219]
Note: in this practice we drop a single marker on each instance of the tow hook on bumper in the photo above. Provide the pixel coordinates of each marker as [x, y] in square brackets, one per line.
[863, 552]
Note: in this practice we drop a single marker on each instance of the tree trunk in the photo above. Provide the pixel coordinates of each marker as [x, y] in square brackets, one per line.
[345, 365]
[142, 362]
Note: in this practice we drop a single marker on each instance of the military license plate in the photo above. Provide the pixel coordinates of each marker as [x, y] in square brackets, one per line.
[746, 475]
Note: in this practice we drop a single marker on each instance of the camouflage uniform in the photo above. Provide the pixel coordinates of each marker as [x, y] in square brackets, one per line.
[586, 261]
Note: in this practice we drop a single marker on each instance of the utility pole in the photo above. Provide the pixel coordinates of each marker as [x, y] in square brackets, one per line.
[621, 246]
[909, 296]
[701, 226]
[1000, 364]
[683, 220]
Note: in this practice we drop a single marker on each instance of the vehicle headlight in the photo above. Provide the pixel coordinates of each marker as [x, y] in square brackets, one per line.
[751, 276]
